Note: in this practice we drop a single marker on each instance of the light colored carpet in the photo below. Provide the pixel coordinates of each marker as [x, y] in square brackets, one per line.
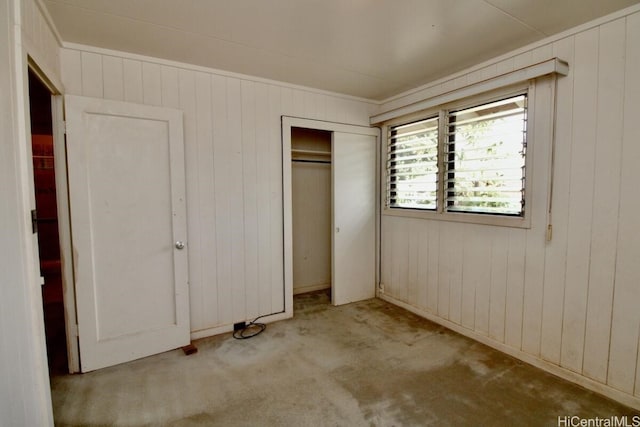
[363, 364]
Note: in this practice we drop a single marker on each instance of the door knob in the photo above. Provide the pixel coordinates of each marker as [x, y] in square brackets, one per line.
[179, 244]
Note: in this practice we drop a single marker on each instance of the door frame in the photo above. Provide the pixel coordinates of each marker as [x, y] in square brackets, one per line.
[64, 232]
[289, 122]
[64, 221]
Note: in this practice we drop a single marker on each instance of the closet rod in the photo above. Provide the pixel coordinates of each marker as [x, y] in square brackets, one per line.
[327, 162]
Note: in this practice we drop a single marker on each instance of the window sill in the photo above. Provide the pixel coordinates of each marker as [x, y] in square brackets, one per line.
[493, 220]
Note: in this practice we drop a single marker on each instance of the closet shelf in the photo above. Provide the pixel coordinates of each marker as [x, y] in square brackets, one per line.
[313, 152]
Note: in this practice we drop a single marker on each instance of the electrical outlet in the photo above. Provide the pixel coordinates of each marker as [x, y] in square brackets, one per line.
[238, 326]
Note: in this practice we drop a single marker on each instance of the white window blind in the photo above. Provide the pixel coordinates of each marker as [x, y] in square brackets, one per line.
[412, 165]
[484, 155]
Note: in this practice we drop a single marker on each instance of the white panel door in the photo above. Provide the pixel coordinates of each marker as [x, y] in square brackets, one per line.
[128, 217]
[354, 217]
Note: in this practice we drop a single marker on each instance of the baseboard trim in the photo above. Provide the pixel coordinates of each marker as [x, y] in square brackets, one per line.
[223, 329]
[310, 288]
[589, 384]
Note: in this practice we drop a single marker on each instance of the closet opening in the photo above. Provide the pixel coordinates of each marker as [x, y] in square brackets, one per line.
[311, 210]
[45, 222]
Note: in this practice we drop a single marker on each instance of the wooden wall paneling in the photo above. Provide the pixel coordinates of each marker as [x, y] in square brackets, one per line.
[515, 287]
[34, 25]
[580, 198]
[24, 395]
[422, 269]
[357, 115]
[151, 84]
[540, 150]
[469, 266]
[276, 213]
[409, 269]
[481, 276]
[113, 72]
[311, 217]
[393, 257]
[92, 81]
[455, 254]
[223, 145]
[39, 40]
[223, 174]
[341, 111]
[234, 188]
[328, 103]
[400, 258]
[170, 87]
[298, 103]
[206, 252]
[385, 261]
[625, 324]
[606, 195]
[331, 108]
[199, 305]
[71, 71]
[309, 105]
[28, 12]
[286, 97]
[433, 266]
[321, 106]
[556, 249]
[344, 115]
[444, 272]
[133, 90]
[263, 197]
[250, 203]
[498, 285]
[413, 260]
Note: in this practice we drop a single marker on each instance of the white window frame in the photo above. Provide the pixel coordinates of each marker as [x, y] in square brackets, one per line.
[440, 213]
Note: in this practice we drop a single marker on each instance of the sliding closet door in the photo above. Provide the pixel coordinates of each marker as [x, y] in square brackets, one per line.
[354, 217]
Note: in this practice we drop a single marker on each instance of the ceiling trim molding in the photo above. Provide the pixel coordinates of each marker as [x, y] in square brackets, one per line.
[531, 46]
[193, 67]
[550, 66]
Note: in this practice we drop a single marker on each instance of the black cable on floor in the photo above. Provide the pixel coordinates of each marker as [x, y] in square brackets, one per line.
[254, 328]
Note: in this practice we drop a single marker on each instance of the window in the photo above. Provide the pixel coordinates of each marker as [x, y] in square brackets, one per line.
[485, 158]
[461, 160]
[412, 162]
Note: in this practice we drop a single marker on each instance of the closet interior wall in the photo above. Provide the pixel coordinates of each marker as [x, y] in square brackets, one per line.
[311, 197]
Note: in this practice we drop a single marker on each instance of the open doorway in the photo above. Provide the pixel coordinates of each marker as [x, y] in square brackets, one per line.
[348, 155]
[46, 221]
[311, 210]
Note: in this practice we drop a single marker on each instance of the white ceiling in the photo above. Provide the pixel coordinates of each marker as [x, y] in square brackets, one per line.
[368, 48]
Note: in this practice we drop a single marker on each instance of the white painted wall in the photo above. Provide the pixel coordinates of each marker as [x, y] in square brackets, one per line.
[234, 169]
[24, 389]
[570, 305]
